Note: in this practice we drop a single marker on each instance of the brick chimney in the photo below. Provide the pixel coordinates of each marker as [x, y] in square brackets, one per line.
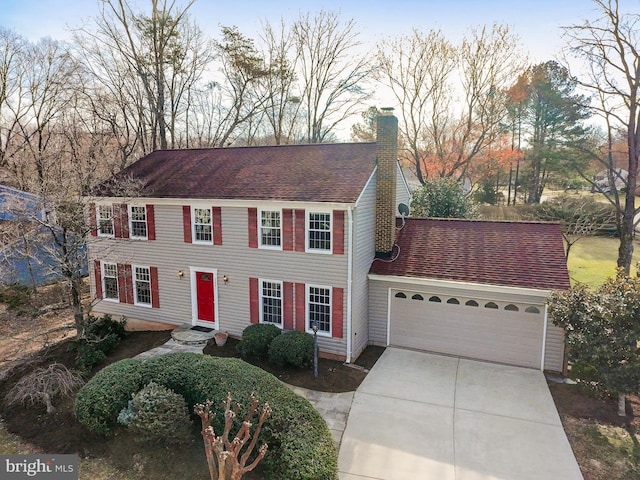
[387, 158]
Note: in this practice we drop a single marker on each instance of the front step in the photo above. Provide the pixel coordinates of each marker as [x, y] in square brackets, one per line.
[185, 335]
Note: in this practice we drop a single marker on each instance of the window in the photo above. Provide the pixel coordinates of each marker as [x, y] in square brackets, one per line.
[138, 219]
[512, 308]
[491, 305]
[271, 302]
[142, 285]
[400, 295]
[105, 220]
[453, 301]
[270, 229]
[319, 308]
[417, 296]
[471, 303]
[435, 299]
[110, 281]
[319, 231]
[203, 229]
[532, 310]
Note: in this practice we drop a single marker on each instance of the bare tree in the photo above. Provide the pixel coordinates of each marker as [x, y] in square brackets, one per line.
[443, 131]
[166, 55]
[610, 46]
[282, 102]
[417, 68]
[331, 72]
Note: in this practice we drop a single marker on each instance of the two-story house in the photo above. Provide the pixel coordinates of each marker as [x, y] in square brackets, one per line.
[299, 235]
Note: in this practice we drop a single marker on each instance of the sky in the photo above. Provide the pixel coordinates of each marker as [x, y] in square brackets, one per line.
[537, 22]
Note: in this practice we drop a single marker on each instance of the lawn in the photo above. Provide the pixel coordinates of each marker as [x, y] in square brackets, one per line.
[593, 259]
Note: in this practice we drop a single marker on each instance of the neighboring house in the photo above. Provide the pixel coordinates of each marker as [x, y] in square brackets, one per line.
[25, 249]
[287, 235]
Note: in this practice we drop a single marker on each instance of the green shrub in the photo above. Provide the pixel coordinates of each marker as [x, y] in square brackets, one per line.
[157, 414]
[99, 402]
[256, 339]
[101, 336]
[300, 443]
[292, 348]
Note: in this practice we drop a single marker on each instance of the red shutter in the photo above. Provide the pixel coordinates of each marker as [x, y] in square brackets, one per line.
[254, 301]
[300, 221]
[337, 236]
[151, 223]
[287, 229]
[124, 220]
[253, 227]
[301, 302]
[217, 225]
[93, 222]
[129, 283]
[186, 223]
[287, 300]
[122, 283]
[98, 278]
[337, 316]
[117, 221]
[155, 293]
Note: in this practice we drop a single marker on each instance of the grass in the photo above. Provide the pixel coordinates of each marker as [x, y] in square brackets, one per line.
[593, 259]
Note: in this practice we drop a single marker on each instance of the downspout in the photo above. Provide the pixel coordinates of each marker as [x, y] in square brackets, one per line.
[349, 282]
[544, 336]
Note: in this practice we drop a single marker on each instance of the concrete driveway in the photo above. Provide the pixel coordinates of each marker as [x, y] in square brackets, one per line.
[423, 416]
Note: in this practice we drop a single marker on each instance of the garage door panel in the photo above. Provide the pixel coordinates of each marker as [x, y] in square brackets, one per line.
[475, 332]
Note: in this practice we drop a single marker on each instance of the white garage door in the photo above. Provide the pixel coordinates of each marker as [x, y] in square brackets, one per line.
[510, 333]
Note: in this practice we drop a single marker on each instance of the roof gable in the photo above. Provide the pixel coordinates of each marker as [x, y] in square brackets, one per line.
[315, 173]
[515, 254]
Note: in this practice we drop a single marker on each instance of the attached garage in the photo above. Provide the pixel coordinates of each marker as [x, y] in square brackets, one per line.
[464, 326]
[474, 289]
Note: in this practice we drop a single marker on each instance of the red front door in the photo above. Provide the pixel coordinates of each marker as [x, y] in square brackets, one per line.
[204, 288]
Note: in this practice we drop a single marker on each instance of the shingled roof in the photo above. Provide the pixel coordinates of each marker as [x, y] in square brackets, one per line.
[514, 254]
[315, 173]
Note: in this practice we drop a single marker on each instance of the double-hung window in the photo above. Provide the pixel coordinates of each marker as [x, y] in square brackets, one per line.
[138, 219]
[110, 281]
[202, 226]
[319, 308]
[271, 302]
[142, 285]
[105, 220]
[270, 229]
[319, 231]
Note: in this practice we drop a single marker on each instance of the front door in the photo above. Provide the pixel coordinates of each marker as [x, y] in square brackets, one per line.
[205, 296]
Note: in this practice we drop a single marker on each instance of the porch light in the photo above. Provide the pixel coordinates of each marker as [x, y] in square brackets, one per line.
[180, 274]
[225, 279]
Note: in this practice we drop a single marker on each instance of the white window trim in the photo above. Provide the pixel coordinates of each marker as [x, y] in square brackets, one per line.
[98, 227]
[135, 286]
[259, 220]
[260, 297]
[104, 287]
[146, 221]
[321, 333]
[193, 225]
[323, 251]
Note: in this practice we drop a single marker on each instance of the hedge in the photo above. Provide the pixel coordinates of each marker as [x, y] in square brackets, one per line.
[292, 348]
[256, 339]
[300, 443]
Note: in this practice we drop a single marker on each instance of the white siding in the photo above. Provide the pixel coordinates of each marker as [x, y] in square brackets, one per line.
[233, 258]
[363, 253]
[554, 351]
